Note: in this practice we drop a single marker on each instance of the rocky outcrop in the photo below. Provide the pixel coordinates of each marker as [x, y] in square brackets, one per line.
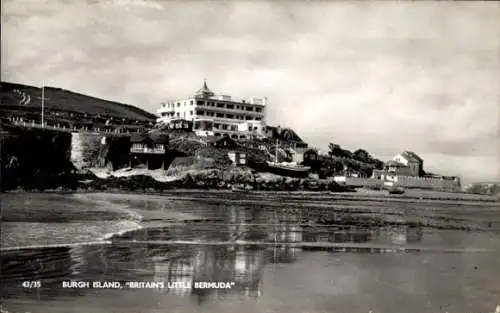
[212, 179]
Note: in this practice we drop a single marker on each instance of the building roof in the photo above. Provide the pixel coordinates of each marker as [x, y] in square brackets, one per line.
[138, 137]
[283, 133]
[159, 137]
[205, 91]
[394, 163]
[411, 156]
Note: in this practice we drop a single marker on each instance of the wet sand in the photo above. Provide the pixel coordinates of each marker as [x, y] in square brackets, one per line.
[301, 253]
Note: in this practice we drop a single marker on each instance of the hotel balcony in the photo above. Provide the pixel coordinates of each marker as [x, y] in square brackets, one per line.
[231, 111]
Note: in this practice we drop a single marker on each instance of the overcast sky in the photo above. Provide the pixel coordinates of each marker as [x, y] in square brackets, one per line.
[384, 76]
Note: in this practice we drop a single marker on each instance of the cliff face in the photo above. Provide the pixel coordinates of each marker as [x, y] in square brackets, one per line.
[36, 159]
[45, 159]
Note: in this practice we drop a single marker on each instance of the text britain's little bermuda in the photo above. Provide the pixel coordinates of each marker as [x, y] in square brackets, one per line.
[147, 285]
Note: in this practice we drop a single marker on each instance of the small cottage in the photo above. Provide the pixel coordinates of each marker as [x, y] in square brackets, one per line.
[222, 142]
[149, 150]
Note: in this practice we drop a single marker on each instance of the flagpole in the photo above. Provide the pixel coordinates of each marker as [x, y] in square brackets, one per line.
[43, 102]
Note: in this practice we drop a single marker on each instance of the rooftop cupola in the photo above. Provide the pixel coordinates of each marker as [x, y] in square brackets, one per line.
[204, 92]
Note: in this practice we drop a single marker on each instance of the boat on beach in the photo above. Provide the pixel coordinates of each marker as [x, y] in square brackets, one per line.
[286, 168]
[395, 190]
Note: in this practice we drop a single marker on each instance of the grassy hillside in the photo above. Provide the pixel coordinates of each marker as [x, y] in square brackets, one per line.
[23, 98]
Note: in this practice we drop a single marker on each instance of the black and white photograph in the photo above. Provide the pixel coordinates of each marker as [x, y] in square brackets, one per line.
[168, 156]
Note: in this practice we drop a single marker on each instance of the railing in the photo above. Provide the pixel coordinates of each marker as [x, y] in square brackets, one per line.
[32, 124]
[158, 150]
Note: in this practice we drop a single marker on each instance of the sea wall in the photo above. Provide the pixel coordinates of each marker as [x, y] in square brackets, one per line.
[427, 183]
[404, 181]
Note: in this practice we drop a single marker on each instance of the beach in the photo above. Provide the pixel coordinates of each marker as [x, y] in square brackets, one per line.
[279, 252]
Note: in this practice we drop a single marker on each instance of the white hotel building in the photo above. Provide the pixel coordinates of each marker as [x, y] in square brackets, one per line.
[217, 114]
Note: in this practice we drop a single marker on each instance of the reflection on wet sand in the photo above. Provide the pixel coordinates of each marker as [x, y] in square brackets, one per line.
[187, 264]
[265, 252]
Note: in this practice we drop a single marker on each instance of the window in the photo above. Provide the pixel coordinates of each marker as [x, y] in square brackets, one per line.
[237, 107]
[230, 106]
[250, 109]
[178, 104]
[216, 125]
[247, 118]
[233, 127]
[229, 116]
[190, 112]
[191, 102]
[199, 102]
[224, 126]
[219, 115]
[178, 114]
[220, 105]
[258, 109]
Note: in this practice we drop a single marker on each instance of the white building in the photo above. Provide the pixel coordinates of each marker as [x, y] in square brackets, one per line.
[412, 161]
[217, 114]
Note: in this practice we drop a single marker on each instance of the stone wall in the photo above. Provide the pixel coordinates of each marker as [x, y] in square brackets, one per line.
[87, 150]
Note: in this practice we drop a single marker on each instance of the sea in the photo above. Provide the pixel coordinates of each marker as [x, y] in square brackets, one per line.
[195, 251]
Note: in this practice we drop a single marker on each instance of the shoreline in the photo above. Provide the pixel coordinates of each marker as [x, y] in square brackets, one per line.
[355, 195]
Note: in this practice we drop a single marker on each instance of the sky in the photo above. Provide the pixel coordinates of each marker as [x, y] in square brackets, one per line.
[382, 76]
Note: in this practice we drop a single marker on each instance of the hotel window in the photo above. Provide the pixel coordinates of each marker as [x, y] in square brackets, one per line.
[220, 105]
[219, 115]
[216, 125]
[247, 118]
[178, 114]
[237, 107]
[258, 109]
[178, 104]
[229, 116]
[230, 106]
[190, 112]
[199, 102]
[191, 102]
[224, 126]
[249, 109]
[233, 127]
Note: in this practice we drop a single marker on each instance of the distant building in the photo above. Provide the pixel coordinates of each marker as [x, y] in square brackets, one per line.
[414, 163]
[217, 115]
